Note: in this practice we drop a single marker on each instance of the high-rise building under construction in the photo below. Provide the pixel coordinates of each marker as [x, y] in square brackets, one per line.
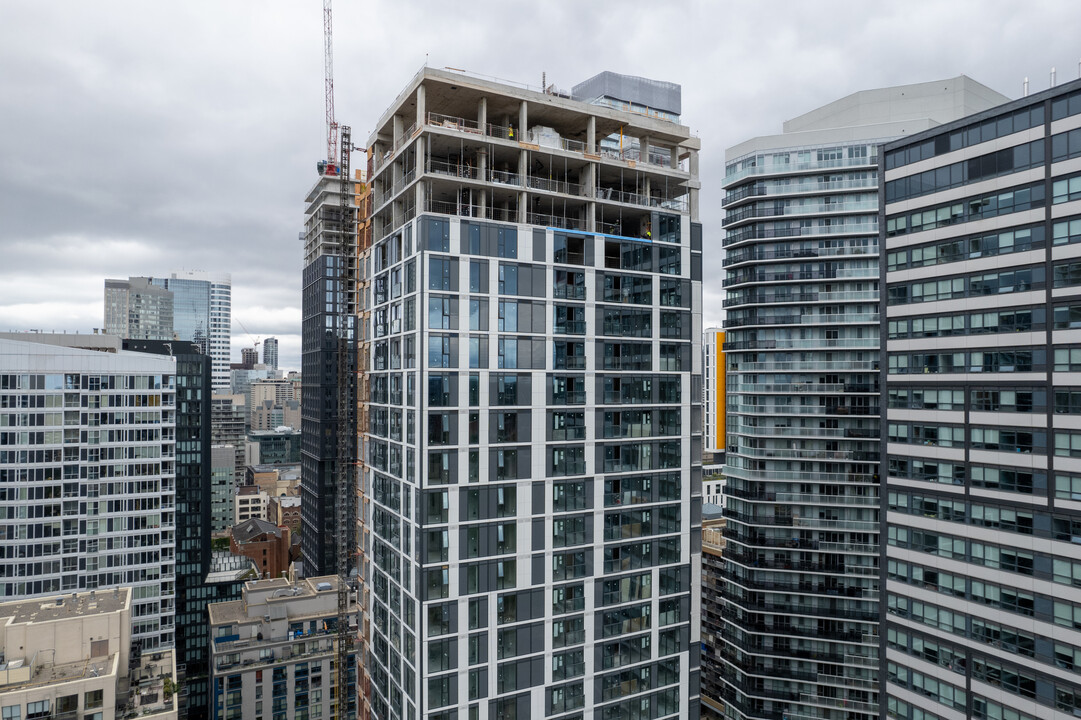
[532, 458]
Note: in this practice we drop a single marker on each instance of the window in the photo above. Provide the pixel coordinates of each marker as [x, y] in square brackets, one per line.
[442, 312]
[441, 273]
[439, 690]
[568, 249]
[568, 460]
[478, 276]
[441, 351]
[93, 699]
[508, 279]
[438, 234]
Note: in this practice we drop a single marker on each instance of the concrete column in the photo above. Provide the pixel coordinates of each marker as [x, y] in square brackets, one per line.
[646, 188]
[420, 195]
[591, 217]
[421, 113]
[693, 167]
[675, 157]
[523, 205]
[643, 149]
[523, 166]
[399, 127]
[523, 120]
[396, 170]
[482, 115]
[482, 173]
[591, 135]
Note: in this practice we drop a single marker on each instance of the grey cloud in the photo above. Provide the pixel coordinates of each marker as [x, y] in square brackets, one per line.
[140, 138]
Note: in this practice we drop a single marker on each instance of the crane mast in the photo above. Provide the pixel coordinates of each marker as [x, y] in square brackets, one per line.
[344, 307]
[328, 76]
[345, 468]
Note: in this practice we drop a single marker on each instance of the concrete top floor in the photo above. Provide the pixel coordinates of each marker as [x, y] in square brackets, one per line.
[458, 94]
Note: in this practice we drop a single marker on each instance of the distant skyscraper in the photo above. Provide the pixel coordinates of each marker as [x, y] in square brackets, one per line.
[88, 474]
[270, 353]
[202, 313]
[713, 391]
[138, 310]
[249, 357]
[229, 416]
[222, 487]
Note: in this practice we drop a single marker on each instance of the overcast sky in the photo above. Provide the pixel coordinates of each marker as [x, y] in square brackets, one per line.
[141, 138]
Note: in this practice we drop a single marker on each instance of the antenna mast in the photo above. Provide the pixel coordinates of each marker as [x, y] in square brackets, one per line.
[328, 74]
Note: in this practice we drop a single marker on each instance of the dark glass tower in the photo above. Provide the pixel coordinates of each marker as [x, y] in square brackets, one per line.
[193, 552]
[319, 447]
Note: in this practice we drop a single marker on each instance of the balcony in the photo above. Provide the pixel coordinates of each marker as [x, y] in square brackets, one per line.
[781, 168]
[758, 255]
[784, 274]
[766, 211]
[735, 365]
[780, 629]
[755, 232]
[810, 610]
[842, 343]
[762, 190]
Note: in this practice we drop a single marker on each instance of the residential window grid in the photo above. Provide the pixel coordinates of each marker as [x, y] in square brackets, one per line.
[491, 523]
[1011, 455]
[488, 553]
[87, 490]
[802, 417]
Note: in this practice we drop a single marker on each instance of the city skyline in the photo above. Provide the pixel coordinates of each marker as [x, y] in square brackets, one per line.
[227, 208]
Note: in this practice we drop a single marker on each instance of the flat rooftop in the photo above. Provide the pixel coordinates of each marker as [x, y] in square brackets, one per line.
[45, 673]
[273, 591]
[65, 606]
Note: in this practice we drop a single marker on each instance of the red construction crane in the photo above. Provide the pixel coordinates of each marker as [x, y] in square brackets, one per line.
[331, 163]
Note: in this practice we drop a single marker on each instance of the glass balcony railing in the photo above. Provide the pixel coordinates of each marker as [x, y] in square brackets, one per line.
[776, 168]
